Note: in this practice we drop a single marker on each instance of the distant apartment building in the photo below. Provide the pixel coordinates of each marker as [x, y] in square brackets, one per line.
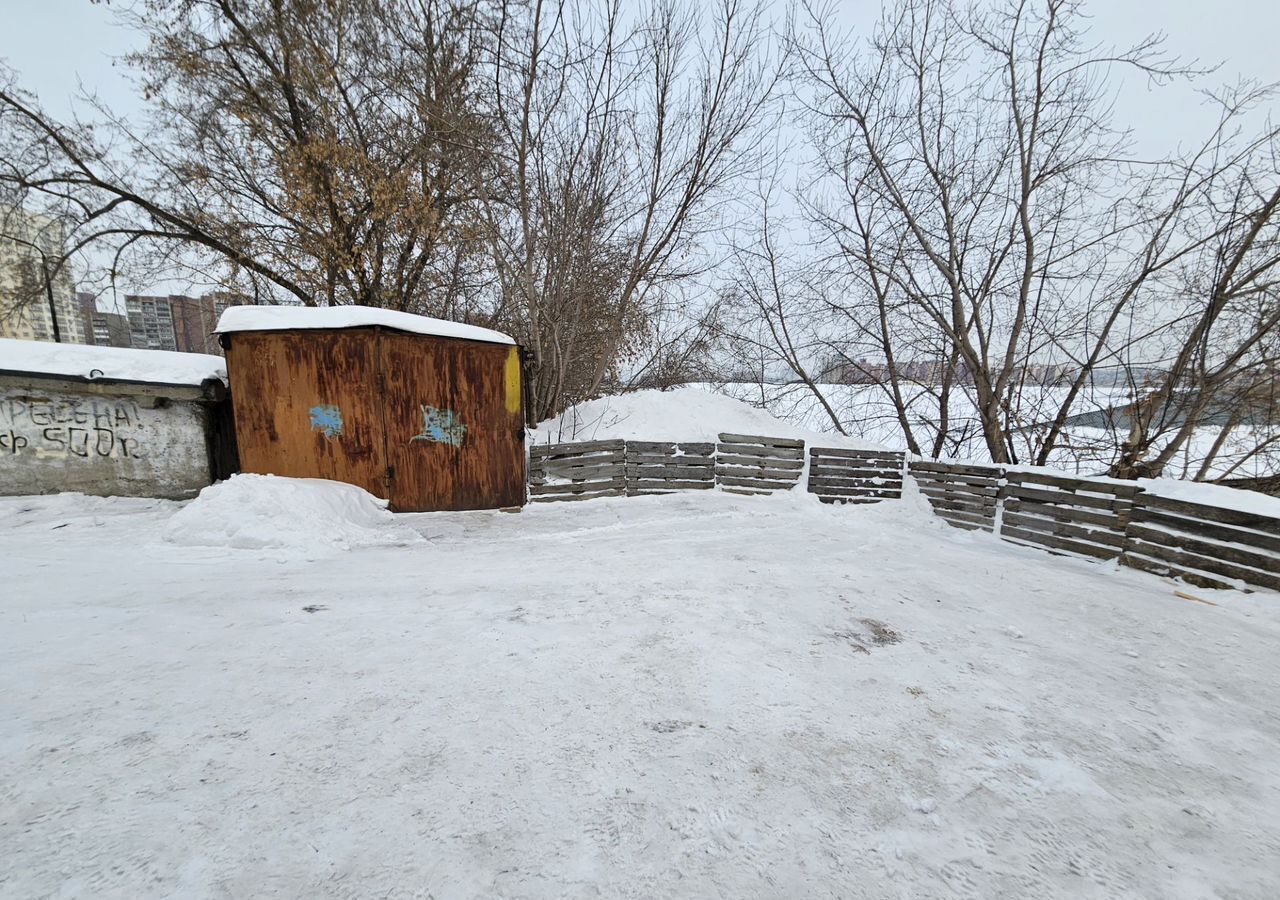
[176, 322]
[37, 293]
[933, 372]
[102, 329]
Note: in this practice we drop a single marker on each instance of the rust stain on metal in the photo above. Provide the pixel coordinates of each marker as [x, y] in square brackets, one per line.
[454, 393]
[429, 423]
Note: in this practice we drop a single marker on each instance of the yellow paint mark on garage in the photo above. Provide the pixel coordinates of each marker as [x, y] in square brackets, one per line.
[512, 377]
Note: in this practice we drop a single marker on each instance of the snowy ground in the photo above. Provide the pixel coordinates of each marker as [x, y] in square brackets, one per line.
[695, 695]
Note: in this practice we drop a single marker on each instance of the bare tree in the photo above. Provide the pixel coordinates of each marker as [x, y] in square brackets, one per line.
[321, 151]
[624, 137]
[1213, 303]
[970, 172]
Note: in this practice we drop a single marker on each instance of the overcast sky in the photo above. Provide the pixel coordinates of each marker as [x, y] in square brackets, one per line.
[52, 43]
[56, 45]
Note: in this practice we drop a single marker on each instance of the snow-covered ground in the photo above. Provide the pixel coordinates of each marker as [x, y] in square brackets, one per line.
[693, 695]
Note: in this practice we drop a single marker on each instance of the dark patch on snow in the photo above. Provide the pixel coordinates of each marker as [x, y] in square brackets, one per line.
[314, 608]
[870, 632]
[667, 726]
[881, 634]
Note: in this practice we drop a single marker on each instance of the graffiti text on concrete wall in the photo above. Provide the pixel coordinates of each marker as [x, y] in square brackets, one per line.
[327, 420]
[441, 427]
[84, 428]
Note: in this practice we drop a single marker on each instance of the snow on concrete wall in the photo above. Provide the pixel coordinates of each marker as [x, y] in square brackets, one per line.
[110, 445]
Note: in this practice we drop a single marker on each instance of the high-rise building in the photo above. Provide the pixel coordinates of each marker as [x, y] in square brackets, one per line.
[150, 323]
[104, 329]
[37, 293]
[195, 318]
[177, 322]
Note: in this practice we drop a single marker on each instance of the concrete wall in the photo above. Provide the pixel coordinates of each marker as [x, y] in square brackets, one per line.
[107, 441]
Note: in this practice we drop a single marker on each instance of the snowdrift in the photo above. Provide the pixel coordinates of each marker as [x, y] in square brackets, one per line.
[307, 516]
[683, 414]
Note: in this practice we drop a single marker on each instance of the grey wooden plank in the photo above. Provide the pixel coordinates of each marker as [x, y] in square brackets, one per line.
[970, 521]
[870, 481]
[575, 447]
[1265, 524]
[888, 457]
[672, 484]
[945, 491]
[770, 452]
[854, 500]
[1066, 529]
[1157, 567]
[1257, 559]
[758, 472]
[661, 447]
[855, 492]
[1141, 513]
[682, 461]
[931, 477]
[730, 438]
[577, 473]
[1065, 498]
[962, 506]
[736, 460]
[957, 468]
[1210, 564]
[1058, 544]
[963, 490]
[965, 525]
[1065, 513]
[853, 471]
[767, 484]
[688, 473]
[565, 497]
[696, 449]
[1073, 484]
[586, 459]
[577, 487]
[662, 459]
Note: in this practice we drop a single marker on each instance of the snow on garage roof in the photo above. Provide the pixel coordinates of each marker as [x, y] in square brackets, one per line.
[110, 363]
[285, 318]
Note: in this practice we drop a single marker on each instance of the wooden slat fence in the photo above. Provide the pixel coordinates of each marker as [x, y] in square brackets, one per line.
[658, 467]
[962, 495]
[1204, 545]
[578, 471]
[838, 475]
[1070, 515]
[756, 464]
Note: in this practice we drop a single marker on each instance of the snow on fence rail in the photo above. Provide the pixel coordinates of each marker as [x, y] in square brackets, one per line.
[837, 475]
[1076, 515]
[578, 471]
[1204, 545]
[657, 467]
[1174, 537]
[751, 464]
[963, 496]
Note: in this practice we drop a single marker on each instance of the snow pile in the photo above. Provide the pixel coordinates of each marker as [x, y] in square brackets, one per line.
[115, 363]
[279, 318]
[1213, 495]
[303, 515]
[684, 414]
